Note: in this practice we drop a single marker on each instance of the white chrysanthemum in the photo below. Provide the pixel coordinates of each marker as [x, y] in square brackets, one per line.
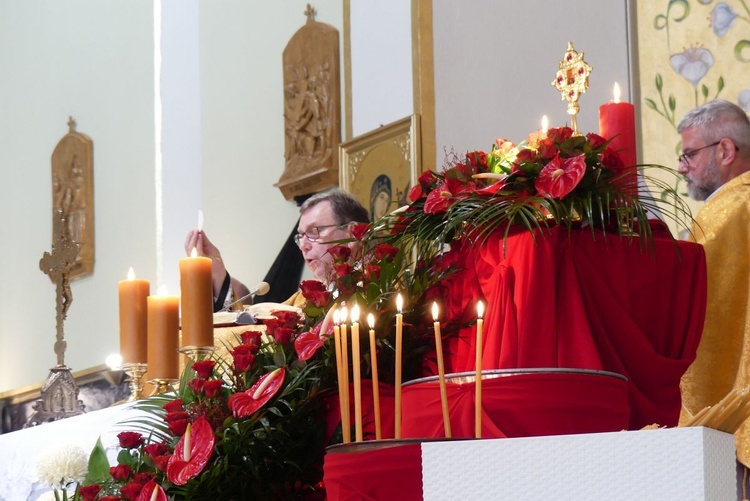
[62, 464]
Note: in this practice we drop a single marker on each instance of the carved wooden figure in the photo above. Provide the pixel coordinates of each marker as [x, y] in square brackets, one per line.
[73, 194]
[312, 109]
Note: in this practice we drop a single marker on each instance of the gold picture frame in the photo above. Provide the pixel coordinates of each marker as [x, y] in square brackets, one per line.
[379, 167]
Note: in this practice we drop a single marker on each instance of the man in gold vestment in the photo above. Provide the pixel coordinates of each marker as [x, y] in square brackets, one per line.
[715, 164]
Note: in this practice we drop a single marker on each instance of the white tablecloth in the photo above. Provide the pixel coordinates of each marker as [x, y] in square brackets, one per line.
[19, 450]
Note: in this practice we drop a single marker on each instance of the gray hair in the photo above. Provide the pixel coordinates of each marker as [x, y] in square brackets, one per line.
[345, 207]
[718, 119]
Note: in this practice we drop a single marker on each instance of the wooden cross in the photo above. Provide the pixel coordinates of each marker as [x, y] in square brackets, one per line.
[57, 265]
[310, 13]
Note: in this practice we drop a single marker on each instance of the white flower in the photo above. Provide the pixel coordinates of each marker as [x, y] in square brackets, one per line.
[693, 63]
[61, 464]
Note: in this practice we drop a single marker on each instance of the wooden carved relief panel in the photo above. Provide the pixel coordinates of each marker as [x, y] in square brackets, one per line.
[312, 109]
[73, 194]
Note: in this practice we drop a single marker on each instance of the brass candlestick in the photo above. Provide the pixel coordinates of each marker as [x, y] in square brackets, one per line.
[197, 353]
[162, 385]
[136, 371]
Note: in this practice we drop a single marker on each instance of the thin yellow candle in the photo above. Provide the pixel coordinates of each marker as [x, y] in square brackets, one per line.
[339, 362]
[133, 319]
[441, 371]
[399, 349]
[346, 422]
[357, 372]
[375, 383]
[478, 374]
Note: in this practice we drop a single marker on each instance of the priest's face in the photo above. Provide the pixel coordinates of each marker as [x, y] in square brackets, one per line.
[317, 227]
[699, 164]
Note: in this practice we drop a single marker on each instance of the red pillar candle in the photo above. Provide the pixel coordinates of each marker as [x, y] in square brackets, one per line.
[197, 301]
[617, 123]
[163, 337]
[133, 320]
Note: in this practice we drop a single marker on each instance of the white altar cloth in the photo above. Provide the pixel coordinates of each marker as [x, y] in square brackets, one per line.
[19, 450]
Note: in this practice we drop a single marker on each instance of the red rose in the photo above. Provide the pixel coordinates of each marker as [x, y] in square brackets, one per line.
[560, 177]
[612, 160]
[525, 155]
[130, 491]
[120, 472]
[360, 230]
[173, 405]
[89, 492]
[319, 298]
[175, 416]
[204, 368]
[243, 361]
[196, 384]
[595, 140]
[560, 134]
[130, 439]
[385, 251]
[478, 158]
[212, 388]
[428, 179]
[416, 192]
[340, 253]
[311, 285]
[178, 427]
[156, 449]
[547, 148]
[162, 461]
[287, 318]
[143, 478]
[342, 269]
[283, 335]
[372, 271]
[251, 338]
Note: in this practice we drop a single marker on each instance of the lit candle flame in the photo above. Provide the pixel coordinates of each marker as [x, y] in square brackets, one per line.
[371, 320]
[344, 314]
[480, 309]
[355, 314]
[162, 291]
[616, 92]
[399, 303]
[194, 252]
[336, 316]
[545, 123]
[435, 311]
[131, 274]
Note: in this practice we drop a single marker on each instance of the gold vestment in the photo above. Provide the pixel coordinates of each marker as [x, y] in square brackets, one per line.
[723, 359]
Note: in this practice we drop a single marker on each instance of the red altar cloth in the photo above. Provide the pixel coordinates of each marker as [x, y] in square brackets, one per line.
[581, 300]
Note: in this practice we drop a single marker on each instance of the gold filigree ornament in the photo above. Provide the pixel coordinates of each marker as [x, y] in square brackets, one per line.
[572, 80]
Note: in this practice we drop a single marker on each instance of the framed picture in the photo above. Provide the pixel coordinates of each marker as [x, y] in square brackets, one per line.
[380, 167]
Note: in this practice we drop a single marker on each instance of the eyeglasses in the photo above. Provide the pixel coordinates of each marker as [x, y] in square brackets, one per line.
[313, 234]
[686, 156]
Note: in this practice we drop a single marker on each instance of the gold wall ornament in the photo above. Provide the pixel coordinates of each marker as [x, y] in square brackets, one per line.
[312, 109]
[73, 194]
[572, 80]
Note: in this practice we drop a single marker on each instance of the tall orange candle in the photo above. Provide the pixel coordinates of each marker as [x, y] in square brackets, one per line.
[196, 301]
[133, 320]
[441, 371]
[399, 349]
[617, 123]
[375, 382]
[346, 422]
[357, 375]
[163, 335]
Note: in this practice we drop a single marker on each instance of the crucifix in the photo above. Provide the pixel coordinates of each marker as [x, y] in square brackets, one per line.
[572, 80]
[57, 265]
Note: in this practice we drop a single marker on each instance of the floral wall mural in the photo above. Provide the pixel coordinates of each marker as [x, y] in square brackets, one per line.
[689, 52]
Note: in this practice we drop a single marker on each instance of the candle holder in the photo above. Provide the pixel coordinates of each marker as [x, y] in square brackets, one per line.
[197, 353]
[136, 371]
[162, 385]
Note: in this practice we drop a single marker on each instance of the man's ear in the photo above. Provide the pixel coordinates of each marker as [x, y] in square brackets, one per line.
[728, 151]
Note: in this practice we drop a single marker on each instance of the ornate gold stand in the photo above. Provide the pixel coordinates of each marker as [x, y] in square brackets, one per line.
[136, 371]
[197, 353]
[162, 386]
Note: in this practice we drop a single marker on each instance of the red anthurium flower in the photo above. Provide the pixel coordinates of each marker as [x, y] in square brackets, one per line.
[246, 403]
[152, 492]
[192, 452]
[307, 344]
[89, 492]
[204, 368]
[130, 439]
[492, 188]
[560, 177]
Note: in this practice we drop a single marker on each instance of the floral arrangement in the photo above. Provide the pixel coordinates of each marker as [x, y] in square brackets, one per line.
[554, 178]
[255, 426]
[62, 467]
